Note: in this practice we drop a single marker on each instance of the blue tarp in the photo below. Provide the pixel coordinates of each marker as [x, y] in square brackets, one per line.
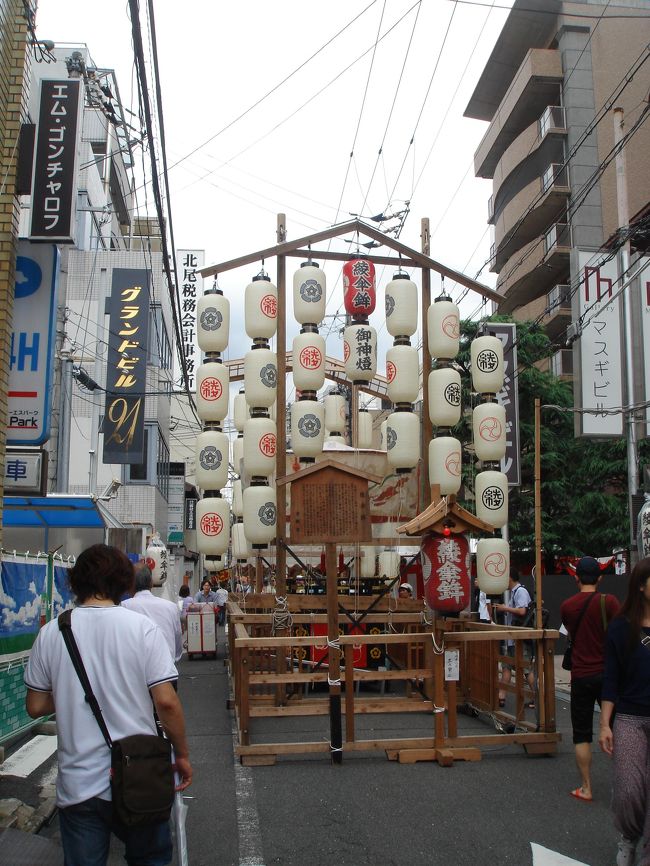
[49, 512]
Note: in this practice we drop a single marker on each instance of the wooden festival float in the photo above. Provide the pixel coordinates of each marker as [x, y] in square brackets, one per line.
[340, 655]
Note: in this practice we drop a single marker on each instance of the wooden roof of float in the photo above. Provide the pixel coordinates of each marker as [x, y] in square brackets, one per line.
[444, 513]
[329, 462]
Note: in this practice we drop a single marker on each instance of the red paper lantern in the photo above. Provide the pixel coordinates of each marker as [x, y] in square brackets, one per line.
[359, 293]
[446, 564]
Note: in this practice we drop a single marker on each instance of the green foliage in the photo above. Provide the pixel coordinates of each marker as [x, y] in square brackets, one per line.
[583, 481]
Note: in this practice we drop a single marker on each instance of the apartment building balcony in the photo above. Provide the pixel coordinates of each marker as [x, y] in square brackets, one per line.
[534, 269]
[529, 213]
[557, 316]
[562, 364]
[535, 86]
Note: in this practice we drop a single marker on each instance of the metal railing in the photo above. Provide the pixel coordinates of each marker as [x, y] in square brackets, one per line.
[553, 117]
[559, 298]
[554, 175]
[558, 235]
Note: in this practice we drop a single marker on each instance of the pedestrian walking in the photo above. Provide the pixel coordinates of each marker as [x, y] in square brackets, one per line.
[221, 599]
[513, 614]
[128, 665]
[160, 611]
[626, 690]
[206, 594]
[585, 616]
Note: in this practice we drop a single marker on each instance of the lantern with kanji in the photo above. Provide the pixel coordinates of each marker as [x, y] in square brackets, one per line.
[360, 352]
[212, 389]
[446, 572]
[261, 307]
[359, 293]
[259, 444]
[308, 357]
[487, 365]
[213, 525]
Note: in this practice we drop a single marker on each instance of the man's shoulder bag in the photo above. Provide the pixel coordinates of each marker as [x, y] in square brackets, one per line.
[142, 778]
[567, 659]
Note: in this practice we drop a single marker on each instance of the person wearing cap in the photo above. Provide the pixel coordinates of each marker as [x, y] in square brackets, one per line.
[585, 616]
[405, 591]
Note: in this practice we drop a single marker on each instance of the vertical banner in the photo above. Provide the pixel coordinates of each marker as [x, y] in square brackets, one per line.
[126, 375]
[175, 503]
[190, 287]
[601, 374]
[508, 397]
[644, 279]
[54, 179]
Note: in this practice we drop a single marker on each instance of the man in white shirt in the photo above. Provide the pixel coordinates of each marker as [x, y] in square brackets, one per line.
[163, 613]
[220, 602]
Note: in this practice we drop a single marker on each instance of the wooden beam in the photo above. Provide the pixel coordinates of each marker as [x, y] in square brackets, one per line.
[328, 255]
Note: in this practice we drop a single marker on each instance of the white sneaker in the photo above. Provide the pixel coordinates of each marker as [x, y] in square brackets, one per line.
[626, 851]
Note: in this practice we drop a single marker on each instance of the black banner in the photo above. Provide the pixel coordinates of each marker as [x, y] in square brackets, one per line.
[54, 181]
[126, 375]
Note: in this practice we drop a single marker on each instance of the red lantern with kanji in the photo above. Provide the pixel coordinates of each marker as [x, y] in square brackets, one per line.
[359, 293]
[446, 571]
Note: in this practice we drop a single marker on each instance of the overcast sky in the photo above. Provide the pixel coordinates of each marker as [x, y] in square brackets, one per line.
[291, 153]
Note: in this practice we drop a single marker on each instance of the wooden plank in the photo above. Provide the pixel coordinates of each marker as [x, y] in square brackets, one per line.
[321, 708]
[321, 676]
[494, 739]
[540, 748]
[445, 757]
[328, 255]
[281, 748]
[258, 760]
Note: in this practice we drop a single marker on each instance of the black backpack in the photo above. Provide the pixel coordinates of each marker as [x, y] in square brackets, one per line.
[529, 619]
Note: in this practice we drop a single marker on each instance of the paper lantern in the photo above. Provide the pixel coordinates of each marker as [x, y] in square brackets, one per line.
[237, 498]
[443, 325]
[240, 411]
[446, 569]
[445, 462]
[359, 295]
[487, 365]
[360, 352]
[241, 549]
[367, 560]
[492, 565]
[260, 377]
[309, 294]
[382, 435]
[261, 308]
[403, 440]
[308, 357]
[364, 429]
[157, 558]
[212, 321]
[388, 564]
[307, 428]
[444, 397]
[212, 526]
[489, 429]
[401, 306]
[260, 446]
[403, 374]
[491, 495]
[212, 390]
[335, 413]
[211, 460]
[237, 453]
[260, 514]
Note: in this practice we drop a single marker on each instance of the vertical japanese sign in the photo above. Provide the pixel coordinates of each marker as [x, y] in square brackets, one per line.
[446, 572]
[54, 180]
[601, 379]
[644, 279]
[190, 287]
[31, 350]
[508, 397]
[127, 366]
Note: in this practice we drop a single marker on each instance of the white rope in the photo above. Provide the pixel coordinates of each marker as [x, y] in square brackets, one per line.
[331, 682]
[438, 650]
[281, 618]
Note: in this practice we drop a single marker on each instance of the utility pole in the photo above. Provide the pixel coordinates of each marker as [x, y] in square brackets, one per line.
[626, 303]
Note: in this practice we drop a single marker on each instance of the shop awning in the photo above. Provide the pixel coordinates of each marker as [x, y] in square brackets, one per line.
[63, 512]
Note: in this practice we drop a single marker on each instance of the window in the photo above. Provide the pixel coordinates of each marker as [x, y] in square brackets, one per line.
[154, 468]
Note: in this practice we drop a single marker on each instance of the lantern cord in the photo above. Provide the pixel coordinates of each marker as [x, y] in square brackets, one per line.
[334, 644]
[437, 650]
[281, 618]
[438, 709]
[331, 682]
[337, 749]
[425, 618]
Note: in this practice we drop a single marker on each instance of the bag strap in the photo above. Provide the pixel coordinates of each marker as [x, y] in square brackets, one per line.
[582, 613]
[65, 627]
[603, 611]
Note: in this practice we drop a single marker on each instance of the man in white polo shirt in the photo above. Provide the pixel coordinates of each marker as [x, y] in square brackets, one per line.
[164, 613]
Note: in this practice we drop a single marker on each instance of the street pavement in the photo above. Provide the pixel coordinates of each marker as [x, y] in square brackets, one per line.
[509, 808]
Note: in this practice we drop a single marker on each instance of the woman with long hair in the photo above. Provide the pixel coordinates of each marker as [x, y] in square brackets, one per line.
[626, 688]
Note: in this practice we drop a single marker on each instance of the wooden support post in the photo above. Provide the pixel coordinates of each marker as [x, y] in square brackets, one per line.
[259, 573]
[439, 695]
[354, 415]
[244, 699]
[280, 415]
[349, 693]
[333, 654]
[427, 427]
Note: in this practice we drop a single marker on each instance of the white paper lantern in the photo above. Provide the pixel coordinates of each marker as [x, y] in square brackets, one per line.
[382, 435]
[445, 461]
[403, 440]
[260, 377]
[489, 430]
[308, 357]
[212, 390]
[212, 321]
[307, 428]
[157, 556]
[212, 526]
[360, 352]
[260, 446]
[211, 451]
[492, 565]
[364, 429]
[260, 515]
[237, 453]
[443, 325]
[241, 549]
[367, 560]
[237, 498]
[491, 494]
[335, 413]
[309, 294]
[403, 374]
[240, 411]
[261, 308]
[487, 365]
[444, 397]
[388, 564]
[401, 306]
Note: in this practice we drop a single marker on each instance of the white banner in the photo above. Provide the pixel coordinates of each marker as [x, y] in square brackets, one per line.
[190, 287]
[601, 371]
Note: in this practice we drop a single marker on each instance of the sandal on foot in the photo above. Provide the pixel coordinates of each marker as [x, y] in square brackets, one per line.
[580, 795]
